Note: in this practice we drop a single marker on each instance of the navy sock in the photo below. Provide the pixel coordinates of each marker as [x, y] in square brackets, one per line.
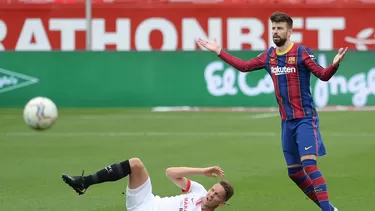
[319, 183]
[110, 173]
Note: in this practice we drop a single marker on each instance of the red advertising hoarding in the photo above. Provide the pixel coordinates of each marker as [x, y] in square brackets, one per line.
[169, 29]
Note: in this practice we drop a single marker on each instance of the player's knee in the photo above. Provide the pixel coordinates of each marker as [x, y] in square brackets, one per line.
[308, 157]
[294, 166]
[136, 164]
[294, 171]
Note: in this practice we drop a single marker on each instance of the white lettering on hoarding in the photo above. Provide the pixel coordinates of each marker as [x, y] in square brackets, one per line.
[166, 27]
[360, 86]
[236, 37]
[220, 85]
[10, 80]
[33, 28]
[223, 81]
[239, 32]
[101, 38]
[192, 31]
[3, 34]
[264, 85]
[363, 39]
[68, 28]
[325, 28]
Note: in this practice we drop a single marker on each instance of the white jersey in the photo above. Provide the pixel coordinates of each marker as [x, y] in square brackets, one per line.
[190, 200]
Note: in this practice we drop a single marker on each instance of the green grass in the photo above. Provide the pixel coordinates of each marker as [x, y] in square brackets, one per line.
[248, 150]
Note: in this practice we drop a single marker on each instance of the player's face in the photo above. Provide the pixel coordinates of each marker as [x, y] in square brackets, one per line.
[215, 197]
[280, 33]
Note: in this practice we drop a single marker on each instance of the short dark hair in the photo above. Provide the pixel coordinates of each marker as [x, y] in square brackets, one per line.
[278, 17]
[229, 191]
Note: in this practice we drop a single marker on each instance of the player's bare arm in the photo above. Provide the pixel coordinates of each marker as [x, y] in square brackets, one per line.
[240, 64]
[323, 74]
[178, 174]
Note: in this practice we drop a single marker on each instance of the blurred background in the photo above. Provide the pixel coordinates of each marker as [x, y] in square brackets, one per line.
[129, 80]
[143, 53]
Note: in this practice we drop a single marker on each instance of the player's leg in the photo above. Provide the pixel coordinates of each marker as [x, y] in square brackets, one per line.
[310, 146]
[139, 190]
[303, 181]
[292, 157]
[133, 167]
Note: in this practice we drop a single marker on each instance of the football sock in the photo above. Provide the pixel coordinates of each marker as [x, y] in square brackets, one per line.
[110, 173]
[303, 181]
[319, 183]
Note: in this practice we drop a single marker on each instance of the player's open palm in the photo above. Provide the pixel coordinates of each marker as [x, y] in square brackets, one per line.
[211, 46]
[214, 171]
[340, 56]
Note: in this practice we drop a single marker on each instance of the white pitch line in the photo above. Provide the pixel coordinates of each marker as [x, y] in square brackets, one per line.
[166, 134]
[166, 117]
[264, 115]
[112, 116]
[120, 134]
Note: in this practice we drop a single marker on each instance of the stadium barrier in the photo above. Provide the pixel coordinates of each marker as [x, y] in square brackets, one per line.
[169, 28]
[148, 79]
[211, 2]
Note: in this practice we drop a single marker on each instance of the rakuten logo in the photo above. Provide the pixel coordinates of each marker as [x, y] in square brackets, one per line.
[282, 70]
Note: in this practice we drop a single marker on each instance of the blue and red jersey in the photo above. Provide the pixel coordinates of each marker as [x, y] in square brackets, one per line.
[290, 72]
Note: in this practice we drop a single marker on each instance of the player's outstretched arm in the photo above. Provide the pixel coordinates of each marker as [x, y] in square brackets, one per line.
[323, 74]
[178, 174]
[256, 63]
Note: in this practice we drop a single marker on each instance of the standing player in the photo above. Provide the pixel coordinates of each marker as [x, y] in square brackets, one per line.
[139, 196]
[290, 66]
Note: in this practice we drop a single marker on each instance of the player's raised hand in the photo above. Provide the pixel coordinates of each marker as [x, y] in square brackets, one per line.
[214, 171]
[340, 56]
[211, 46]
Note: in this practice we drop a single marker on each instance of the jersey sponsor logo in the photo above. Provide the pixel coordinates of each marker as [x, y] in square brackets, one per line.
[186, 204]
[282, 70]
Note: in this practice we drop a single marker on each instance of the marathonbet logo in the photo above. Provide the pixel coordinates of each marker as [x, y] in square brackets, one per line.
[10, 80]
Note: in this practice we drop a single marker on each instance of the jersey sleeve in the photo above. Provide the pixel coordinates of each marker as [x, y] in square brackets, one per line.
[312, 65]
[256, 63]
[193, 187]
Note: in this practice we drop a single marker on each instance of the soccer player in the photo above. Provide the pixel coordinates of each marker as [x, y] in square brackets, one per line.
[290, 65]
[139, 195]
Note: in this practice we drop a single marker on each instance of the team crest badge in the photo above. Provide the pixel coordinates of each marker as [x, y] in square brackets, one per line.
[291, 60]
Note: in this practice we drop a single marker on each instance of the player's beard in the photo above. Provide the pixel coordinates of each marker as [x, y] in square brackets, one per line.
[279, 41]
[209, 204]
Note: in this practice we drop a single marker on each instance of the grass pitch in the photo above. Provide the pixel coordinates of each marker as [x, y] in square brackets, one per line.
[246, 145]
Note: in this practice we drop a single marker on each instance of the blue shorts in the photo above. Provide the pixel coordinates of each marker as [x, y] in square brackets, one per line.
[301, 137]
